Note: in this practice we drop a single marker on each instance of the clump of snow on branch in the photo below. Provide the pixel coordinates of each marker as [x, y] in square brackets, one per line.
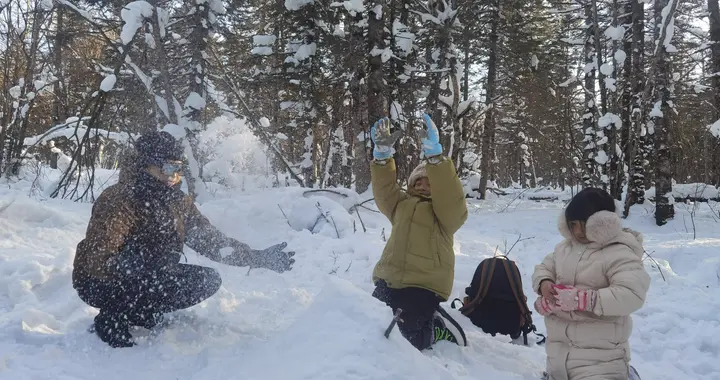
[133, 15]
[108, 83]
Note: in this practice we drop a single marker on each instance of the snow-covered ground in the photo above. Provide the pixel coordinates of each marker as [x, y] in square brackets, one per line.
[319, 321]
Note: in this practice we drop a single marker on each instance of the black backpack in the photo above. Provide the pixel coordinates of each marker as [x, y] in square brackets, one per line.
[495, 300]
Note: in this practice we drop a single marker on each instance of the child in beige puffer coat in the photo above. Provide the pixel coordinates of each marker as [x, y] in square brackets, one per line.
[588, 288]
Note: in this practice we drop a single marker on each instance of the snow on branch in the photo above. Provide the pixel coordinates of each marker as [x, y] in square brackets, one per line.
[68, 130]
[715, 129]
[352, 6]
[85, 14]
[668, 28]
[134, 14]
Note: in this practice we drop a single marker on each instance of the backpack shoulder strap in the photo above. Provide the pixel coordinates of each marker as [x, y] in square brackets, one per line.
[515, 280]
[486, 273]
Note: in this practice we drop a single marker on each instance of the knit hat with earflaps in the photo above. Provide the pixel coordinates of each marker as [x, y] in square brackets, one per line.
[419, 172]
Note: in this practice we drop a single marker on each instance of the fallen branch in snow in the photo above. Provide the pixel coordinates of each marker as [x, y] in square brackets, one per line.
[361, 221]
[495, 191]
[286, 218]
[334, 268]
[518, 195]
[688, 199]
[539, 199]
[656, 264]
[327, 191]
[361, 205]
[334, 225]
[369, 209]
[324, 216]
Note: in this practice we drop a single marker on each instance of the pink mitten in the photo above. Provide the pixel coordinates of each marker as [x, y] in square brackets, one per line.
[544, 307]
[574, 299]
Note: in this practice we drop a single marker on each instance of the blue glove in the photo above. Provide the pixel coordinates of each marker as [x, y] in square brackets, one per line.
[383, 140]
[430, 138]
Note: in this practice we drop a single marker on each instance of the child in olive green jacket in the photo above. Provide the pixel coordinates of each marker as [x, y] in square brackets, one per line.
[417, 267]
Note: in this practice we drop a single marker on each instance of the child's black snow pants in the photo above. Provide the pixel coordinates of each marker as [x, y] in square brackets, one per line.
[418, 308]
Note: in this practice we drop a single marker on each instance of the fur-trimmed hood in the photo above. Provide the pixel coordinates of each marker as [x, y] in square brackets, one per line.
[604, 228]
[419, 172]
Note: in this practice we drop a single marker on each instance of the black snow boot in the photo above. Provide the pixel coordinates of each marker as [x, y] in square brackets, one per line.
[447, 328]
[113, 330]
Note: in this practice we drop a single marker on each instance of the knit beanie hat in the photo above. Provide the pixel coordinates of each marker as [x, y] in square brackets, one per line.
[419, 172]
[157, 147]
[587, 202]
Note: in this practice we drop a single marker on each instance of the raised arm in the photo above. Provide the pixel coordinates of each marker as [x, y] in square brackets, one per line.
[202, 236]
[448, 195]
[385, 188]
[207, 240]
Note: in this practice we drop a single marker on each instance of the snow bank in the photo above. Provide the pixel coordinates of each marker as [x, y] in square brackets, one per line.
[40, 180]
[321, 216]
[691, 190]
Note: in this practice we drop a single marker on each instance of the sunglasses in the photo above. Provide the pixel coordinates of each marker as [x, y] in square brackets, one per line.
[171, 168]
